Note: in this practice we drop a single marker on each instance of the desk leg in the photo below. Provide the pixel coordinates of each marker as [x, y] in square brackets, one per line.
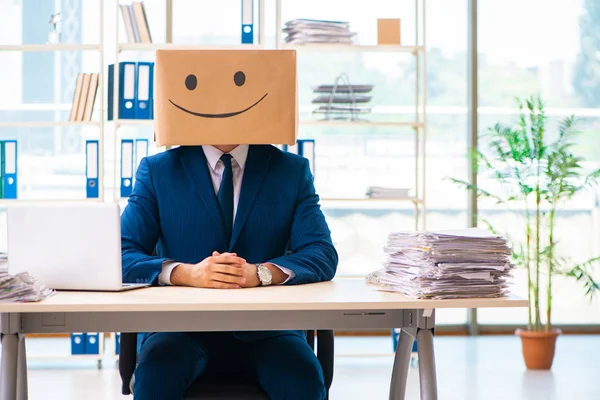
[427, 375]
[8, 377]
[22, 392]
[401, 363]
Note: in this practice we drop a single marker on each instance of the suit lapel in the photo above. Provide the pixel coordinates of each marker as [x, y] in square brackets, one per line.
[195, 165]
[255, 170]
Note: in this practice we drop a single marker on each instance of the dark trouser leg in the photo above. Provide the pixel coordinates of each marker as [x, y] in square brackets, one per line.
[167, 365]
[288, 369]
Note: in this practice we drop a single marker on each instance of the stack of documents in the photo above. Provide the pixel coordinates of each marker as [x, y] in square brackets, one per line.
[22, 288]
[378, 192]
[445, 265]
[303, 31]
[342, 101]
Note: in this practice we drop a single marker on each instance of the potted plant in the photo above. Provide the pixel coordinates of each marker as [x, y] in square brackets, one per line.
[537, 175]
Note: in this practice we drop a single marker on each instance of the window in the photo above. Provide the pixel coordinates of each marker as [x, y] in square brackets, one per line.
[539, 58]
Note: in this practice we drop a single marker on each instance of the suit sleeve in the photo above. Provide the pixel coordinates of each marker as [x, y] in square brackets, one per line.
[313, 257]
[140, 230]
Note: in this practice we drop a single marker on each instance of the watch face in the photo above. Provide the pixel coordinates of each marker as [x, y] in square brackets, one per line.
[265, 275]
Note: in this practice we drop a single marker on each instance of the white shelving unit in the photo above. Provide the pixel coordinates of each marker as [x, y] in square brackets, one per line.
[122, 48]
[99, 124]
[418, 124]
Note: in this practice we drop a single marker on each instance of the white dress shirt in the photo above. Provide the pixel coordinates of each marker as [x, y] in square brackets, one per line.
[216, 168]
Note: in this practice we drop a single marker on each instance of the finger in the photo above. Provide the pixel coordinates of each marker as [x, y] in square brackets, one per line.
[226, 278]
[225, 259]
[221, 285]
[229, 269]
[216, 254]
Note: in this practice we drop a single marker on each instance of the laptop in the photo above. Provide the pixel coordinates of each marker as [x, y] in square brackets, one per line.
[67, 245]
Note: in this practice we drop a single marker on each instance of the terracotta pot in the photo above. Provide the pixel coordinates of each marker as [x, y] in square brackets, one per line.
[538, 347]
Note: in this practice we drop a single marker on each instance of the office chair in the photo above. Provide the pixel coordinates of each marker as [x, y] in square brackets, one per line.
[226, 391]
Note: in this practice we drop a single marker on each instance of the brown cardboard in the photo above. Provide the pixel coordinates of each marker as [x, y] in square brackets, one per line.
[388, 31]
[223, 107]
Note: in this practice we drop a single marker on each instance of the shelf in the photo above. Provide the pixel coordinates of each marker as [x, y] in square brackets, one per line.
[371, 200]
[49, 47]
[141, 122]
[171, 46]
[327, 47]
[363, 123]
[43, 124]
[6, 202]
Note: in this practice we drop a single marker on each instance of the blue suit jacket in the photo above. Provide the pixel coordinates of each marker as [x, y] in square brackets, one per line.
[174, 210]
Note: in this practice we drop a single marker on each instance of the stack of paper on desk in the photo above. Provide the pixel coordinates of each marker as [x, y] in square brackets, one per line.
[22, 288]
[302, 31]
[445, 264]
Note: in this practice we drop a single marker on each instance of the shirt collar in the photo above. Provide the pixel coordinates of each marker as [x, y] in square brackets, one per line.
[239, 154]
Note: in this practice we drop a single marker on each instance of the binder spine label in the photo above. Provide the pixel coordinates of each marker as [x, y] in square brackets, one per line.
[247, 21]
[126, 167]
[91, 169]
[9, 171]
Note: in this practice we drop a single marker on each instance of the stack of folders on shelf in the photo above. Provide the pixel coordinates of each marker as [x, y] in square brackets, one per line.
[22, 287]
[445, 265]
[84, 97]
[342, 101]
[378, 192]
[303, 31]
[136, 90]
[136, 23]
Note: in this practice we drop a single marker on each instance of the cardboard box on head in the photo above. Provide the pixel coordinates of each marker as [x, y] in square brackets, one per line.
[225, 97]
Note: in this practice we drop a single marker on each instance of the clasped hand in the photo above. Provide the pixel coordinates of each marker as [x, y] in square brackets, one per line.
[219, 271]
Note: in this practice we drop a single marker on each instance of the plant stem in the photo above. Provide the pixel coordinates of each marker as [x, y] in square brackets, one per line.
[536, 298]
[528, 261]
[550, 268]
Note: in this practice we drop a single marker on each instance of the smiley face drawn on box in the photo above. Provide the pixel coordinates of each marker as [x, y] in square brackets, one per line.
[225, 97]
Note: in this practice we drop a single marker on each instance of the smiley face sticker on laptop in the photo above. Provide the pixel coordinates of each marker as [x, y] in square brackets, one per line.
[225, 97]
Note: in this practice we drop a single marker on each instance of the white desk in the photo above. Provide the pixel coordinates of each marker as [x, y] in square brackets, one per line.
[341, 304]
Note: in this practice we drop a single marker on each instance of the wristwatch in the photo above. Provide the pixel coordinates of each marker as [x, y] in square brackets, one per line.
[264, 275]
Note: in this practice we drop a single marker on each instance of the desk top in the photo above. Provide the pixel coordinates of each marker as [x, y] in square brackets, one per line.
[340, 294]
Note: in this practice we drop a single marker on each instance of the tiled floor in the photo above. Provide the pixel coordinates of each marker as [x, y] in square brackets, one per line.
[482, 368]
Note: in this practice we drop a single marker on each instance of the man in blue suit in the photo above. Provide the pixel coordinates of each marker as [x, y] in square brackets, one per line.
[226, 217]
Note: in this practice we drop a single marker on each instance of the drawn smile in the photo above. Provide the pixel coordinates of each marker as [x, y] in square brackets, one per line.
[224, 115]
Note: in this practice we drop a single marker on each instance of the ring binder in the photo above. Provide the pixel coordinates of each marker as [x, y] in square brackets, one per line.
[91, 168]
[9, 168]
[126, 167]
[247, 21]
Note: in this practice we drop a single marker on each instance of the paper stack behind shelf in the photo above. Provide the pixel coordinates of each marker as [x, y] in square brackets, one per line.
[378, 192]
[304, 31]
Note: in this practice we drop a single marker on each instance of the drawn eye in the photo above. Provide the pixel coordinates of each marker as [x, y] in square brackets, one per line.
[239, 78]
[191, 81]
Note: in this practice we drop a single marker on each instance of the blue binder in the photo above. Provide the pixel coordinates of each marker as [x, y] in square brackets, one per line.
[247, 21]
[126, 90]
[306, 149]
[126, 167]
[91, 168]
[141, 151]
[117, 343]
[92, 343]
[9, 169]
[77, 343]
[144, 90]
